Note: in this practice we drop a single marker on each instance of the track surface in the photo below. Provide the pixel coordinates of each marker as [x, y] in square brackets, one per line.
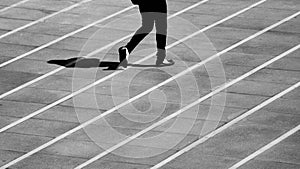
[257, 41]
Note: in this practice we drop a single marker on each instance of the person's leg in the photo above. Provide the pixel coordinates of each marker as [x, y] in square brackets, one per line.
[142, 32]
[161, 25]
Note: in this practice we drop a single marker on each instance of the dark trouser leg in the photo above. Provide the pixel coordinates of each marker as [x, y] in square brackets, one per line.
[142, 32]
[161, 26]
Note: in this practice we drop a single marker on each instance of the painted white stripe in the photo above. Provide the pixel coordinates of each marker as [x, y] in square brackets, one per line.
[90, 121]
[43, 19]
[219, 89]
[90, 54]
[77, 92]
[239, 118]
[63, 37]
[14, 5]
[266, 147]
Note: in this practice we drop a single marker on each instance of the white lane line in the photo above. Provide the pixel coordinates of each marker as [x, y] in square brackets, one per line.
[64, 37]
[266, 147]
[90, 121]
[239, 118]
[219, 89]
[43, 19]
[77, 92]
[14, 5]
[90, 54]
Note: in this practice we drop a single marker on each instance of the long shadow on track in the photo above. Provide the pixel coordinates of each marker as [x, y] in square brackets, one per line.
[80, 62]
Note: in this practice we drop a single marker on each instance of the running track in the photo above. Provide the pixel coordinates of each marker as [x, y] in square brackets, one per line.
[257, 41]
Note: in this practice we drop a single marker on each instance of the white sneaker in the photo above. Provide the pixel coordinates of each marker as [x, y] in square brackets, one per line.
[123, 56]
[165, 62]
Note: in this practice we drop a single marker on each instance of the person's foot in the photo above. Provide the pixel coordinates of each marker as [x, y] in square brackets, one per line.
[165, 62]
[123, 56]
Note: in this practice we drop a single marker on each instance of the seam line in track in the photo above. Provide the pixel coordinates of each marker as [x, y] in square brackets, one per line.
[41, 20]
[266, 147]
[13, 5]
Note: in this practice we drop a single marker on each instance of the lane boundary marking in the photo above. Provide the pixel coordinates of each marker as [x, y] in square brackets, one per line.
[13, 5]
[111, 110]
[266, 147]
[219, 89]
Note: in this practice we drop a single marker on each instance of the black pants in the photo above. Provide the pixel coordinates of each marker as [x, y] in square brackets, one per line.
[148, 21]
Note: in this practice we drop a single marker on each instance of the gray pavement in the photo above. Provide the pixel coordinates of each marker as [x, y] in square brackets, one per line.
[219, 152]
